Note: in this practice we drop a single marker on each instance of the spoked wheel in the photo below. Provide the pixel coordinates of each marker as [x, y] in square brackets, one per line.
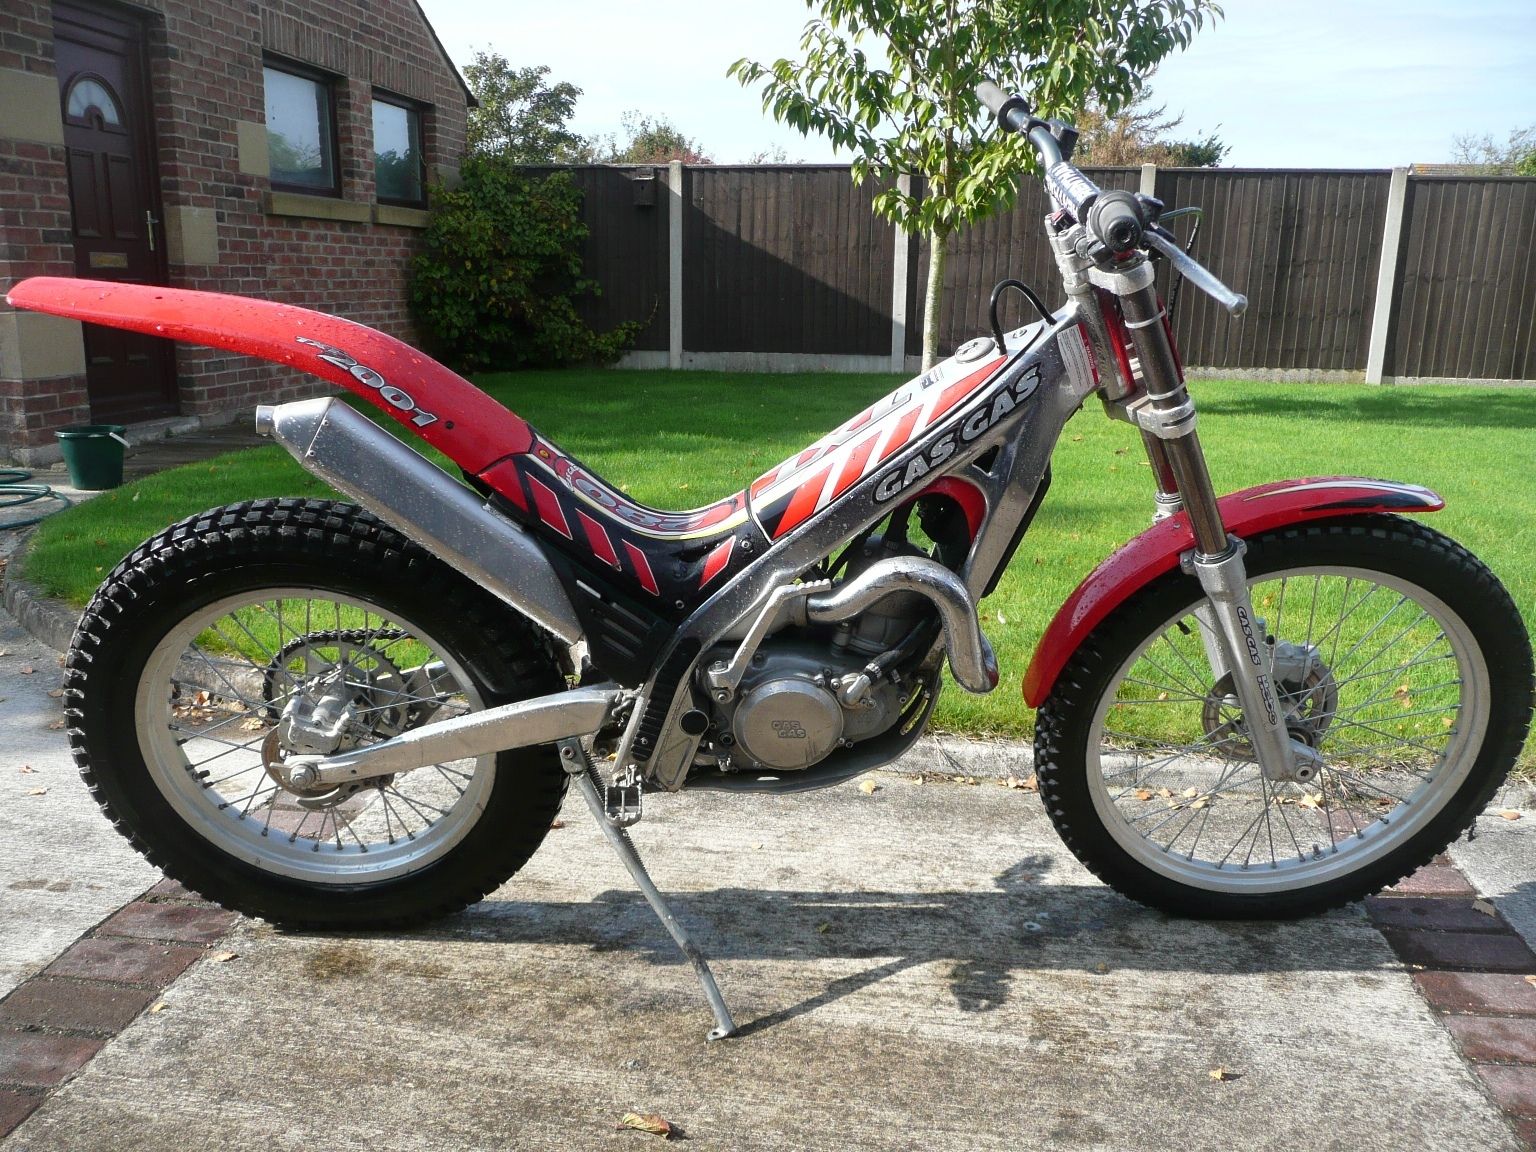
[239, 639]
[1395, 654]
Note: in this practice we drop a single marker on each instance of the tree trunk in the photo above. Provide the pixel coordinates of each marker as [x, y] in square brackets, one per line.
[938, 255]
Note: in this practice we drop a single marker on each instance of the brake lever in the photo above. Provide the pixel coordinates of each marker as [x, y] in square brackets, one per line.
[1192, 270]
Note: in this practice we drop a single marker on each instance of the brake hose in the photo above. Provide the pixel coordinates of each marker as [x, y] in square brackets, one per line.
[15, 493]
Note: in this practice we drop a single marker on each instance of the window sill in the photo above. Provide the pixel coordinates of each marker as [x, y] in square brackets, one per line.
[315, 207]
[401, 217]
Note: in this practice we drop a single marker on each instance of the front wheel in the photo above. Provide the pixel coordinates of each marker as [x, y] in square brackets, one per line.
[1395, 654]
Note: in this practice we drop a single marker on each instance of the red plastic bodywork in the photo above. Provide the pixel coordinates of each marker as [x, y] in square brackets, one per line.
[470, 428]
[1157, 551]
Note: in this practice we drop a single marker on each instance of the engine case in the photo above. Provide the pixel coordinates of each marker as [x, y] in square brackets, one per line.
[786, 715]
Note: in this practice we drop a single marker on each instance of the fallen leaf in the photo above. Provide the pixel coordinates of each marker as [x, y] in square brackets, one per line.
[1311, 800]
[1508, 814]
[155, 1009]
[1202, 802]
[1001, 619]
[824, 927]
[1165, 793]
[1101, 968]
[57, 725]
[1221, 1075]
[649, 1122]
[868, 787]
[201, 698]
[1031, 783]
[26, 669]
[1484, 907]
[26, 769]
[1143, 795]
[1162, 696]
[221, 957]
[1191, 793]
[1077, 439]
[5, 651]
[38, 792]
[56, 693]
[1531, 980]
[557, 823]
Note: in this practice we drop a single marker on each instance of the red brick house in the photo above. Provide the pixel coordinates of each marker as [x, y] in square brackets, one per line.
[279, 148]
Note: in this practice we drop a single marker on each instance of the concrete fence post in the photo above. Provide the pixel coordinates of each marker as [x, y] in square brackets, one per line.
[675, 264]
[1386, 276]
[901, 259]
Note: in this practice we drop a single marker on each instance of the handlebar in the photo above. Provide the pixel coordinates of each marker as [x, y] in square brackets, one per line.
[1117, 220]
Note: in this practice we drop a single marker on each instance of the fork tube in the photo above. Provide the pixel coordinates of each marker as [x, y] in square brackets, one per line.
[1168, 499]
[1218, 560]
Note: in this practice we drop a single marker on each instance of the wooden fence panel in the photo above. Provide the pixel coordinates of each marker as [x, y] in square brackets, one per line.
[1302, 246]
[1006, 245]
[785, 259]
[625, 251]
[1466, 300]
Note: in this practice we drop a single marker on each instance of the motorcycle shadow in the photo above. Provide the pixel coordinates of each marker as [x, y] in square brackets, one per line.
[982, 941]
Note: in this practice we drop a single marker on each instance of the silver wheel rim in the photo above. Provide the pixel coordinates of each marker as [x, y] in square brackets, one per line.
[1412, 709]
[203, 747]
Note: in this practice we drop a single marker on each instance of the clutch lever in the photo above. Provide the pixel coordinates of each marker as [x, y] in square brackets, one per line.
[1192, 270]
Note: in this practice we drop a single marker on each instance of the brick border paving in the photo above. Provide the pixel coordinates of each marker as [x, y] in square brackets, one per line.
[1478, 976]
[53, 1024]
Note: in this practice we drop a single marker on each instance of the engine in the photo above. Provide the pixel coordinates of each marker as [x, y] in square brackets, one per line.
[809, 691]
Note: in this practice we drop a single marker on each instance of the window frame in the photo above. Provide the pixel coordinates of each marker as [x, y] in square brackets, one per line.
[330, 84]
[411, 108]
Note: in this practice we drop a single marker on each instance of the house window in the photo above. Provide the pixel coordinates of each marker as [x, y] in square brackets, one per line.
[397, 157]
[301, 130]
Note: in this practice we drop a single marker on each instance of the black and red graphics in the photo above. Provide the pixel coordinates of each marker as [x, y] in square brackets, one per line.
[674, 560]
[668, 560]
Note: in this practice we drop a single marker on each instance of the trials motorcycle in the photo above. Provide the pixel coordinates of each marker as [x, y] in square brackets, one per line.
[354, 715]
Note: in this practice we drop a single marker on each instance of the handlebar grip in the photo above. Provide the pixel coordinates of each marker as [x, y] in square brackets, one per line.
[1013, 114]
[1116, 219]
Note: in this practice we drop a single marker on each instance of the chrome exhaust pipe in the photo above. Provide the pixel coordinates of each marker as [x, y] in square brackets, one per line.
[542, 720]
[971, 658]
[405, 490]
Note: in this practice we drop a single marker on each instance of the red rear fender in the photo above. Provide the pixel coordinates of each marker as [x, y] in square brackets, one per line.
[1157, 551]
[448, 412]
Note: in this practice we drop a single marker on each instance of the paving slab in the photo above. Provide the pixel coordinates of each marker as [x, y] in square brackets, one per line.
[924, 966]
[62, 867]
[1501, 860]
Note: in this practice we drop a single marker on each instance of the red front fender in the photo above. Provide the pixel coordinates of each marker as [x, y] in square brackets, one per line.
[448, 412]
[1157, 551]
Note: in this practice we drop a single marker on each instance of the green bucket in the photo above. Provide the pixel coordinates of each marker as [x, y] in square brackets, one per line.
[93, 454]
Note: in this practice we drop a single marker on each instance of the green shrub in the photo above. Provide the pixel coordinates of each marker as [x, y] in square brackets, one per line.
[497, 283]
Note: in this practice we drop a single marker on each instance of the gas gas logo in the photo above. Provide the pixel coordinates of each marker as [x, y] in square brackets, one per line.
[975, 426]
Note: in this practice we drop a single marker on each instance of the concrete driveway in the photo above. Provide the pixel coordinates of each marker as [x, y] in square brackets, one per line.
[923, 966]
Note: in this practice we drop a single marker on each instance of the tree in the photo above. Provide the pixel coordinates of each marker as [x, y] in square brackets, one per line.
[893, 82]
[497, 280]
[1515, 157]
[646, 140]
[520, 116]
[1138, 134]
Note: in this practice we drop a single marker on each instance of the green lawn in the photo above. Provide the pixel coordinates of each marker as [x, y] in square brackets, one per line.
[684, 439]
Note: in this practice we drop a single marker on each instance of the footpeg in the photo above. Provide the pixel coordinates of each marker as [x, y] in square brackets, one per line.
[621, 800]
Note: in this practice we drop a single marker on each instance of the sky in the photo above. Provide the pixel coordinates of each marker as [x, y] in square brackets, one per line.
[1285, 83]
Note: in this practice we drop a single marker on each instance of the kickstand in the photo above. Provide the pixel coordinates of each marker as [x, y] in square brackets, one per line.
[582, 771]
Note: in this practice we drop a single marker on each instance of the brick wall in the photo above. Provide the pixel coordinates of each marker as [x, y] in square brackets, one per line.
[205, 66]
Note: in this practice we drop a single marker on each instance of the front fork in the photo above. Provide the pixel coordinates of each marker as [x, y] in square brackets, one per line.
[1234, 643]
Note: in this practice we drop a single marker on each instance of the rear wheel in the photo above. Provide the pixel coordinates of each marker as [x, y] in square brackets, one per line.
[240, 637]
[1394, 653]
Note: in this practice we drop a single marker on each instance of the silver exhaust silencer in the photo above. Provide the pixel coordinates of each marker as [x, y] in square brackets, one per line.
[405, 490]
